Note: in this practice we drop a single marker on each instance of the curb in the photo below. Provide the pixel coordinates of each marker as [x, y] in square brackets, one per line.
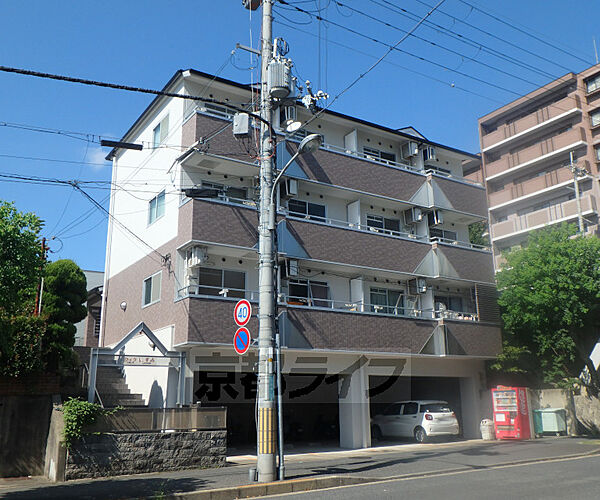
[274, 488]
[325, 482]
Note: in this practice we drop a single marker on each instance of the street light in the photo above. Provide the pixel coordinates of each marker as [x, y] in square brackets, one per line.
[309, 144]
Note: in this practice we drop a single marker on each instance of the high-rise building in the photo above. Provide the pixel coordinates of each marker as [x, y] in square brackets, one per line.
[527, 147]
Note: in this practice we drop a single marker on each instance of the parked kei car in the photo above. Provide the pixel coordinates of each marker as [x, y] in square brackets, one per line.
[417, 419]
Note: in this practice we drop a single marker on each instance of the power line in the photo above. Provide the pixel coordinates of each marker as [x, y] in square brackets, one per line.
[442, 47]
[390, 47]
[504, 40]
[528, 33]
[405, 68]
[465, 39]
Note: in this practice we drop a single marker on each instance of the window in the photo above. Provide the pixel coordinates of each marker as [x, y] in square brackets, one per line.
[95, 314]
[152, 289]
[309, 292]
[410, 409]
[593, 84]
[595, 118]
[160, 132]
[394, 409]
[156, 207]
[382, 224]
[312, 211]
[376, 154]
[387, 301]
[449, 303]
[212, 281]
[442, 233]
[224, 191]
[597, 150]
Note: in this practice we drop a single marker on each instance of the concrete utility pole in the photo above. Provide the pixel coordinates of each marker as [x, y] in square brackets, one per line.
[266, 425]
[576, 170]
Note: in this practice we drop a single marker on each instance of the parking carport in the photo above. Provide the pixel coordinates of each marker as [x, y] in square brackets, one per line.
[310, 406]
[386, 390]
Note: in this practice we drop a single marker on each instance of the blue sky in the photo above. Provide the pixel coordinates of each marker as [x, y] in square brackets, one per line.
[142, 43]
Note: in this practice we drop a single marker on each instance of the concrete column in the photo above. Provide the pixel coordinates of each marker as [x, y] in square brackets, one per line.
[471, 407]
[355, 428]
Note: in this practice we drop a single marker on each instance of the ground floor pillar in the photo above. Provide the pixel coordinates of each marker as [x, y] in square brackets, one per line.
[353, 400]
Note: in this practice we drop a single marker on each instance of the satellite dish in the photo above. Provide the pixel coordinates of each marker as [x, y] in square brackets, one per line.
[291, 125]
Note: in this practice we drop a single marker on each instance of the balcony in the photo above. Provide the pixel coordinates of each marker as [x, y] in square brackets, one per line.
[540, 218]
[531, 186]
[365, 249]
[331, 164]
[532, 122]
[369, 332]
[535, 154]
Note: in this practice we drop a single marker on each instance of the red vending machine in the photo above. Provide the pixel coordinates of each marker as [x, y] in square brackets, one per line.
[512, 418]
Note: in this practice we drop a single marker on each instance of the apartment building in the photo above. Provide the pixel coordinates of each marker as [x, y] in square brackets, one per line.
[381, 297]
[526, 151]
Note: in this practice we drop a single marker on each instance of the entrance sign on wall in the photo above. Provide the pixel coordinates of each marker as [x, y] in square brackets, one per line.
[242, 312]
[241, 340]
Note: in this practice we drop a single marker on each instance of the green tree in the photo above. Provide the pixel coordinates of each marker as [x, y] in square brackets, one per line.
[549, 296]
[21, 261]
[477, 233]
[63, 305]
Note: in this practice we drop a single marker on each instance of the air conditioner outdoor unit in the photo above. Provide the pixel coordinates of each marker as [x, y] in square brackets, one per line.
[197, 256]
[409, 149]
[413, 215]
[435, 218]
[289, 188]
[417, 286]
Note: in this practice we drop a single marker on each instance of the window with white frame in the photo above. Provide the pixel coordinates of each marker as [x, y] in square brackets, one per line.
[156, 207]
[309, 292]
[151, 289]
[593, 83]
[597, 150]
[387, 301]
[160, 132]
[306, 209]
[595, 118]
[381, 224]
[221, 282]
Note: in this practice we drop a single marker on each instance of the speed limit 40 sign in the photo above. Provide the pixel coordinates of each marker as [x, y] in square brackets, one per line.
[242, 312]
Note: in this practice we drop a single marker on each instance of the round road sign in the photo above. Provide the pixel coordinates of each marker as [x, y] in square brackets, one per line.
[241, 340]
[242, 312]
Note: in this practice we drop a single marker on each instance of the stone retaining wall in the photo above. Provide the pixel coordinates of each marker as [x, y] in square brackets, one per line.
[133, 453]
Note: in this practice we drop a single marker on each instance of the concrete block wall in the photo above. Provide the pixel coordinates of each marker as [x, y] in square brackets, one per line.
[134, 453]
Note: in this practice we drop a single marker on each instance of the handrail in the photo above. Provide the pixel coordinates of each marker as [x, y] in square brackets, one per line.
[87, 370]
[221, 292]
[461, 315]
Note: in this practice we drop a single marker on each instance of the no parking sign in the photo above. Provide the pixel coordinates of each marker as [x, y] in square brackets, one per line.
[241, 340]
[241, 314]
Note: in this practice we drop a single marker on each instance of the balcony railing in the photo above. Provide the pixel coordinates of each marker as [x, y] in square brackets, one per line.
[356, 226]
[537, 117]
[217, 292]
[464, 244]
[539, 218]
[525, 156]
[530, 186]
[358, 306]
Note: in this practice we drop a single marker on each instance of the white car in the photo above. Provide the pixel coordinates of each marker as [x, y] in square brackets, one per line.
[418, 419]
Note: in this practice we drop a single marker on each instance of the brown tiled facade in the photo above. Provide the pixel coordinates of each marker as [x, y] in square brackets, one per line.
[342, 264]
[526, 153]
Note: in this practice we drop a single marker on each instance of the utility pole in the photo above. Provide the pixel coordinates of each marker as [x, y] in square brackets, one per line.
[38, 296]
[575, 169]
[266, 425]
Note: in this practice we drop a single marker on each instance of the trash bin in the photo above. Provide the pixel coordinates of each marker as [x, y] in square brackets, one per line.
[487, 430]
[550, 421]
